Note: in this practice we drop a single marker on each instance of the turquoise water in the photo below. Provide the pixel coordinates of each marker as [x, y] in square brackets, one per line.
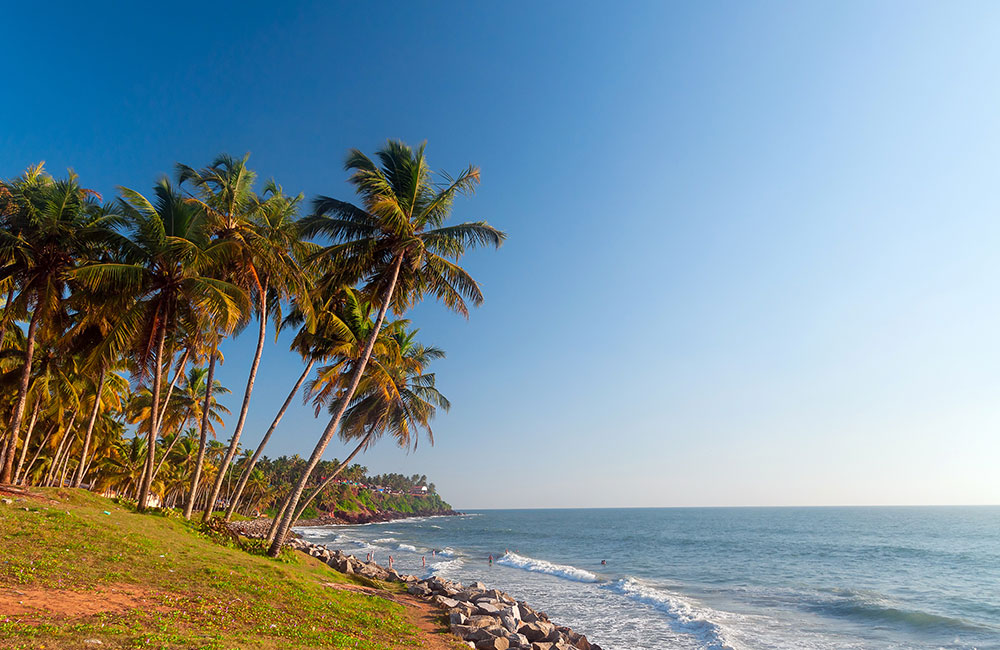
[740, 578]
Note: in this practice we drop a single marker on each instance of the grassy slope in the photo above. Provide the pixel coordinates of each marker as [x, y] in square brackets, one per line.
[196, 593]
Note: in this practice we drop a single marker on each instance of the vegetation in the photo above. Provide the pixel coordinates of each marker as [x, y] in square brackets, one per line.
[79, 568]
[114, 312]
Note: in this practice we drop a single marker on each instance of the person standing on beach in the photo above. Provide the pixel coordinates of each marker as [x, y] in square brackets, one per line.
[423, 560]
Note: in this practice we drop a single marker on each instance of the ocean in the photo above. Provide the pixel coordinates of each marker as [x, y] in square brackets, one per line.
[722, 578]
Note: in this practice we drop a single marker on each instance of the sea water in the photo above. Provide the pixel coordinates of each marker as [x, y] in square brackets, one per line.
[736, 578]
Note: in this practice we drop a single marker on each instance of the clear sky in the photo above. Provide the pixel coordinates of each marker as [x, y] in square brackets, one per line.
[753, 246]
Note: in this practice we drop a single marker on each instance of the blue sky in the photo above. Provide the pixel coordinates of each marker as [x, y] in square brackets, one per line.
[752, 254]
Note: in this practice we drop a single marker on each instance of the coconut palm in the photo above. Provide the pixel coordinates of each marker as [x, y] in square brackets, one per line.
[395, 397]
[265, 238]
[193, 398]
[329, 335]
[48, 227]
[397, 246]
[165, 266]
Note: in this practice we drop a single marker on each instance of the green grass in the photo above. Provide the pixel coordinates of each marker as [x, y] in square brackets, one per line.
[197, 593]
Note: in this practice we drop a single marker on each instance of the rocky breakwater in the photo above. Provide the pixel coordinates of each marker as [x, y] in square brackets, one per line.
[483, 618]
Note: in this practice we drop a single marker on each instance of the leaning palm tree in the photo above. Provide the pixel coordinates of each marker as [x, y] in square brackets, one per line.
[396, 396]
[165, 267]
[48, 227]
[333, 332]
[264, 235]
[397, 247]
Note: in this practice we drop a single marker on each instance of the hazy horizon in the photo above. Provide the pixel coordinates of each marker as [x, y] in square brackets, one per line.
[752, 248]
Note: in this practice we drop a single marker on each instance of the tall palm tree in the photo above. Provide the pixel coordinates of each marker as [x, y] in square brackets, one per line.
[396, 396]
[193, 398]
[264, 235]
[397, 246]
[327, 336]
[165, 267]
[48, 228]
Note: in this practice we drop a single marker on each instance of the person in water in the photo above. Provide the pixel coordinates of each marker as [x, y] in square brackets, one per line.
[604, 562]
[491, 559]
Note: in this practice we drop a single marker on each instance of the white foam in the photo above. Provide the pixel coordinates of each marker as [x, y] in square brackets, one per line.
[407, 547]
[541, 566]
[447, 551]
[447, 565]
[684, 614]
[384, 540]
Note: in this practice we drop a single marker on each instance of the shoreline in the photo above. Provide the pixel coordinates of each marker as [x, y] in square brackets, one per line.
[260, 526]
[483, 618]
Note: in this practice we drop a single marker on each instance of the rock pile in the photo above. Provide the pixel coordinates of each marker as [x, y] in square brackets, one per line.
[485, 619]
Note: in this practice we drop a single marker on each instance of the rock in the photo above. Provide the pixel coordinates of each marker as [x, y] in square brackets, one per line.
[447, 603]
[482, 621]
[509, 623]
[513, 611]
[487, 608]
[493, 643]
[478, 586]
[541, 645]
[7, 502]
[90, 641]
[418, 589]
[463, 631]
[457, 618]
[539, 631]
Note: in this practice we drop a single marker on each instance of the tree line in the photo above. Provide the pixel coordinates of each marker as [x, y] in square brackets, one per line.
[114, 312]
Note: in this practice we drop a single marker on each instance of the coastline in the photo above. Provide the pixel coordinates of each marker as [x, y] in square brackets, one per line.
[259, 527]
[483, 618]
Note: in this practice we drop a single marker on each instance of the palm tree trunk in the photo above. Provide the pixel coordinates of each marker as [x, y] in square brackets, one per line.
[331, 428]
[22, 397]
[154, 428]
[329, 479]
[82, 467]
[267, 436]
[173, 383]
[203, 442]
[53, 468]
[278, 516]
[38, 452]
[27, 439]
[234, 443]
[171, 446]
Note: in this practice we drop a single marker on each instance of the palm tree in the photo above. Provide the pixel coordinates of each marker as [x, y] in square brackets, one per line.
[48, 227]
[328, 336]
[165, 266]
[396, 238]
[264, 235]
[396, 397]
[192, 400]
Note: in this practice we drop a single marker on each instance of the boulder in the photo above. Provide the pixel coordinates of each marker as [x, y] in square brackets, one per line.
[487, 608]
[509, 623]
[457, 618]
[447, 603]
[539, 631]
[418, 589]
[482, 621]
[493, 643]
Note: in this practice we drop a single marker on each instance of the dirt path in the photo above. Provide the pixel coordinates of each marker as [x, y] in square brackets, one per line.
[28, 602]
[427, 618]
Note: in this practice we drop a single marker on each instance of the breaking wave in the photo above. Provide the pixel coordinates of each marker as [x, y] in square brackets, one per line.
[541, 566]
[683, 614]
